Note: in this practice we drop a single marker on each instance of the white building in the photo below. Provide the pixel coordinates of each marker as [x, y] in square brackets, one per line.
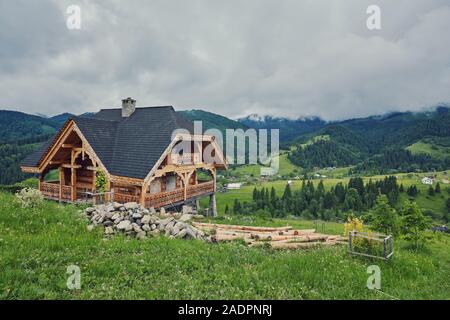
[427, 180]
[234, 186]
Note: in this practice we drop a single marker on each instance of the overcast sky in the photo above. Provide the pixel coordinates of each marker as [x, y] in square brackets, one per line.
[286, 58]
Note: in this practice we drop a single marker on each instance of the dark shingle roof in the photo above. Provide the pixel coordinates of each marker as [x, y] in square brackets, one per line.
[130, 146]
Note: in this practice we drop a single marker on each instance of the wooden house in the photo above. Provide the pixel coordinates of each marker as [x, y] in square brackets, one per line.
[133, 148]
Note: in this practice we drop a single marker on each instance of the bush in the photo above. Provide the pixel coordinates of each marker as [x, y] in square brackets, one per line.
[29, 197]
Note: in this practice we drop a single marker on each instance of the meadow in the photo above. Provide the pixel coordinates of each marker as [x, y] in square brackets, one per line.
[37, 246]
[434, 203]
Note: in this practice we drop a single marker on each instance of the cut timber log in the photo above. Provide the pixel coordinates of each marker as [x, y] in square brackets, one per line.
[291, 238]
[236, 227]
[294, 245]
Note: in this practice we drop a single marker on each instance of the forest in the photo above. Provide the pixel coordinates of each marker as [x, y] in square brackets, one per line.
[355, 198]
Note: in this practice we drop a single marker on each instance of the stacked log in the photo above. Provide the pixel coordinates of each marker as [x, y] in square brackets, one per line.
[276, 238]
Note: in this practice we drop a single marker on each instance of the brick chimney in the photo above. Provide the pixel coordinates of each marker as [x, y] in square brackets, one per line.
[128, 107]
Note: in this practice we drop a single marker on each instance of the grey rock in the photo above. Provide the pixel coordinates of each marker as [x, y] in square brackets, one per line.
[109, 230]
[146, 219]
[154, 233]
[141, 235]
[186, 217]
[136, 215]
[118, 220]
[146, 227]
[181, 234]
[108, 223]
[153, 226]
[90, 227]
[187, 209]
[115, 216]
[123, 225]
[136, 228]
[131, 205]
[89, 210]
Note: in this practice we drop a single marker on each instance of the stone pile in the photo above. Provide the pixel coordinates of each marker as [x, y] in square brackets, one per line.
[134, 220]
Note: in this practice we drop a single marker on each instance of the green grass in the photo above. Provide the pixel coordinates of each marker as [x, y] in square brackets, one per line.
[285, 168]
[37, 246]
[436, 149]
[435, 203]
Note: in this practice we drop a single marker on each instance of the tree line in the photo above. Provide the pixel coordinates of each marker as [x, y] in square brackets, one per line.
[314, 202]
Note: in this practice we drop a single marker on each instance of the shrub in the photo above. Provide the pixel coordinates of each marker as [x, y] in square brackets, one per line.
[353, 224]
[414, 224]
[29, 197]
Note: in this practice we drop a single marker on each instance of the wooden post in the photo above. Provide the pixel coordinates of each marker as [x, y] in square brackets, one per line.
[212, 205]
[61, 181]
[143, 193]
[40, 181]
[350, 242]
[73, 183]
[73, 177]
[185, 183]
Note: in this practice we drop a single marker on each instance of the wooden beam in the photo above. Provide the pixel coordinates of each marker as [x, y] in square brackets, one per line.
[70, 166]
[29, 169]
[67, 146]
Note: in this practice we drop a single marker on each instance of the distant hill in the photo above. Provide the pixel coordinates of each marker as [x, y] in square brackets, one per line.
[401, 141]
[213, 121]
[61, 118]
[289, 128]
[17, 126]
[20, 134]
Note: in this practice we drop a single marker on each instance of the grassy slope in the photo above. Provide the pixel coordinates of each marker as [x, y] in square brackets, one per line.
[433, 150]
[286, 167]
[37, 247]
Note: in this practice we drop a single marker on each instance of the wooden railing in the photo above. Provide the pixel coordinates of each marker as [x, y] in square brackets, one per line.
[66, 192]
[124, 198]
[199, 189]
[50, 190]
[162, 199]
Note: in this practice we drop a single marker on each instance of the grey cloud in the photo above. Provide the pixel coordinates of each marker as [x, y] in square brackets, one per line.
[288, 58]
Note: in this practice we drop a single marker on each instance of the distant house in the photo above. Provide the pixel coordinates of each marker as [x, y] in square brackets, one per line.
[427, 180]
[445, 181]
[289, 182]
[234, 186]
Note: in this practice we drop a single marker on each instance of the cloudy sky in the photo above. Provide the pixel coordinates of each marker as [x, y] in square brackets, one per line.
[286, 58]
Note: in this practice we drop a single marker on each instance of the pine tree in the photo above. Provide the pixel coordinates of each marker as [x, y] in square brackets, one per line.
[438, 188]
[385, 218]
[414, 223]
[430, 191]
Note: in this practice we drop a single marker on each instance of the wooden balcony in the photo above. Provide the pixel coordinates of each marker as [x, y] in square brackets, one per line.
[163, 199]
[124, 198]
[52, 190]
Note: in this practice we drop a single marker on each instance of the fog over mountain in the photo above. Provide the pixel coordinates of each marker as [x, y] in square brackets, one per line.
[292, 58]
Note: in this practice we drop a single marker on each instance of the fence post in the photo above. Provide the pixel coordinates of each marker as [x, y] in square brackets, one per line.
[350, 239]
